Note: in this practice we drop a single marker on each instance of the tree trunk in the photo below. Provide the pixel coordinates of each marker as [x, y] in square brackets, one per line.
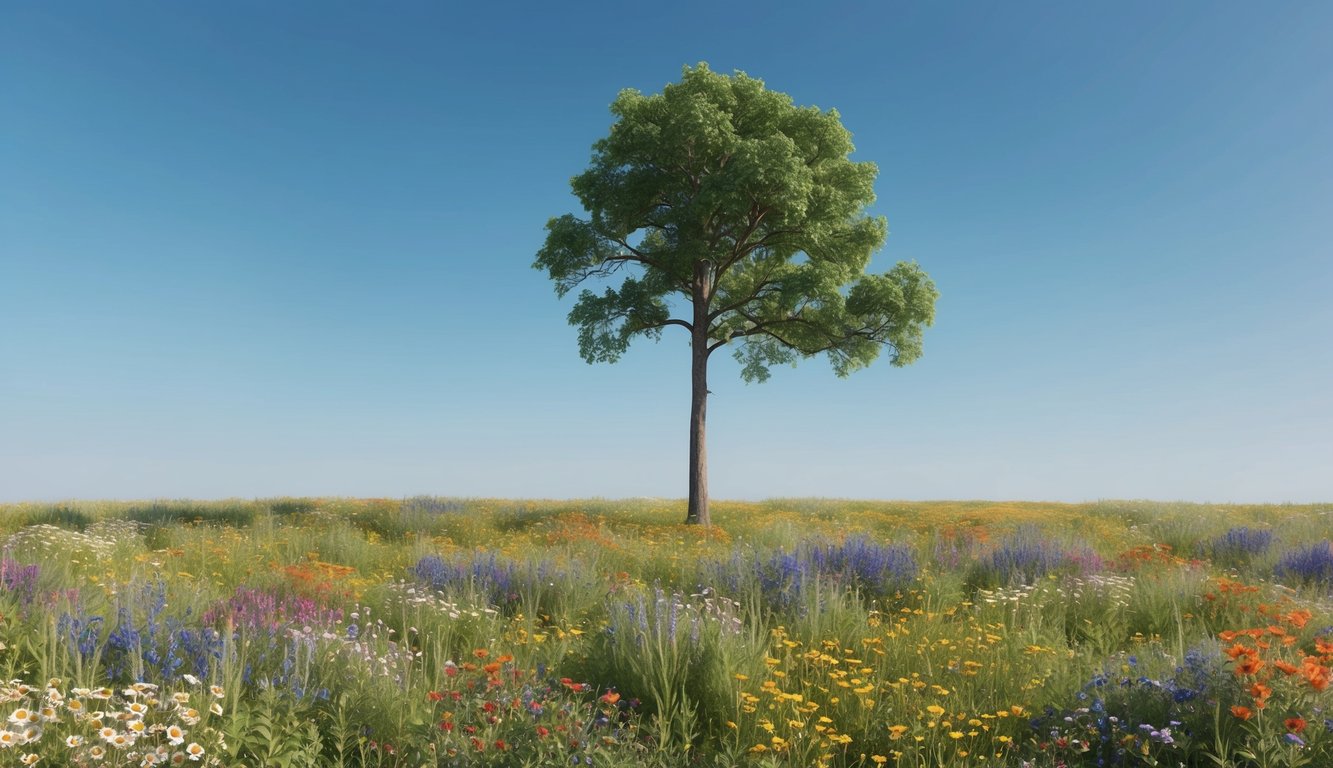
[698, 510]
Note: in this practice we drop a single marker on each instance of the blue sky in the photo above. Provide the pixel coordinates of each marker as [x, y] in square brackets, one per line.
[255, 249]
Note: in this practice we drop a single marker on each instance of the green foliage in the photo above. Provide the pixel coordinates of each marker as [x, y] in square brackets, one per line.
[168, 512]
[729, 197]
[293, 506]
[333, 646]
[60, 515]
[270, 730]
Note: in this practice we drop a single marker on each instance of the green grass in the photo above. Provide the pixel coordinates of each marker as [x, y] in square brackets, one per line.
[444, 631]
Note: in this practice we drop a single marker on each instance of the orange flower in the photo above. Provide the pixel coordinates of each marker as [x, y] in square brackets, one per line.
[1226, 636]
[610, 697]
[481, 653]
[1243, 713]
[1237, 650]
[1287, 667]
[1260, 692]
[1323, 646]
[1298, 618]
[1250, 666]
[1294, 724]
[1315, 673]
[492, 668]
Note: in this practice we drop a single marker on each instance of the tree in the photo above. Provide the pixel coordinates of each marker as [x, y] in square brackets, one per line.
[743, 211]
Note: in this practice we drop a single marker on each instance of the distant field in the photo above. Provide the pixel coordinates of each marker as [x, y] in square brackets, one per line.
[435, 631]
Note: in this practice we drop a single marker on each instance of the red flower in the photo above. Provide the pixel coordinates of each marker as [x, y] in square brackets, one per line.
[1243, 713]
[435, 696]
[543, 732]
[1294, 724]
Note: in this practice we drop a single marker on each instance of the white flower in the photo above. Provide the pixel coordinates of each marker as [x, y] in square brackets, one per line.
[191, 679]
[73, 741]
[175, 735]
[194, 751]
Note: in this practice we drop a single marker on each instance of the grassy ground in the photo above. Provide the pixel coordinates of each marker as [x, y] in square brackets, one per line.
[432, 631]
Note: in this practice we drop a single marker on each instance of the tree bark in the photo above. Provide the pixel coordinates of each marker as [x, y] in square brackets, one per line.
[697, 513]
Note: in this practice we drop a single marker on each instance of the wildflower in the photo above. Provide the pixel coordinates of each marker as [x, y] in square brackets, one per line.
[1294, 724]
[97, 753]
[1243, 713]
[73, 741]
[194, 751]
[30, 759]
[217, 691]
[175, 736]
[1249, 666]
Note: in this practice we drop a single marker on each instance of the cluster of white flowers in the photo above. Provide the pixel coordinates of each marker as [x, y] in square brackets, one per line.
[1116, 589]
[410, 594]
[99, 541]
[137, 726]
[1007, 594]
[1108, 586]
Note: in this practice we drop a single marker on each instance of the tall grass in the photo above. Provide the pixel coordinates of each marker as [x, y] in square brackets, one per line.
[445, 631]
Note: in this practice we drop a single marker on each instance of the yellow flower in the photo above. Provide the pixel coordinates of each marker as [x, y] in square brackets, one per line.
[879, 759]
[935, 709]
[955, 734]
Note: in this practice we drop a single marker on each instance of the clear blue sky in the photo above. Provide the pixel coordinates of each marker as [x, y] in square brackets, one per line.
[252, 249]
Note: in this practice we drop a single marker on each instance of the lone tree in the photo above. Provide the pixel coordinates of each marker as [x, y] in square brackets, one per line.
[744, 212]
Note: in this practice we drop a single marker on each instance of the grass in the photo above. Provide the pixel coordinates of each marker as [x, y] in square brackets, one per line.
[443, 631]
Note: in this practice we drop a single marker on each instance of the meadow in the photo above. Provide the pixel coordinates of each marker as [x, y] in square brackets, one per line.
[472, 632]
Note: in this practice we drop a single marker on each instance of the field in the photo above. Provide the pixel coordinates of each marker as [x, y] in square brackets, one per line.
[430, 631]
